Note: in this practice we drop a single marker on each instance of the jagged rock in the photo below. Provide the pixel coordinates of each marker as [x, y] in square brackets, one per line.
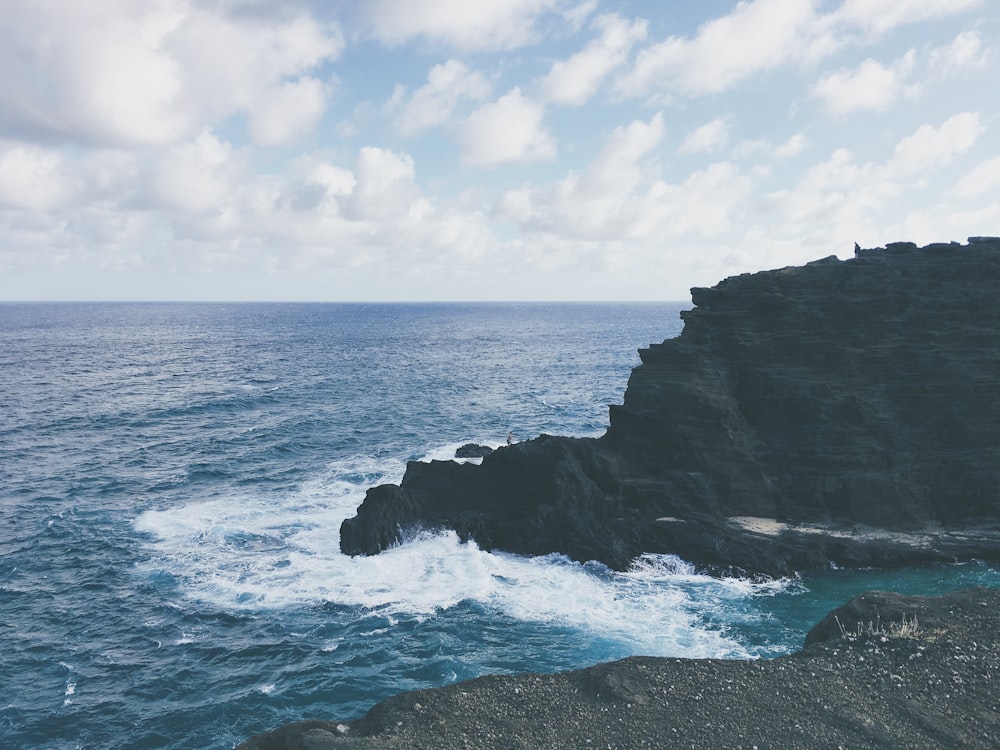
[883, 671]
[842, 411]
[473, 450]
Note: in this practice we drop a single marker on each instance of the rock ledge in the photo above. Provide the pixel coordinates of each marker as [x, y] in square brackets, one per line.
[883, 671]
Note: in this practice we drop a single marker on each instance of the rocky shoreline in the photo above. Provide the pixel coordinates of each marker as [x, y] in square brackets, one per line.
[842, 412]
[883, 671]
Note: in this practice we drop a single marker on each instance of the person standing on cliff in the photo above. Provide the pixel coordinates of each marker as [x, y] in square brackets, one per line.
[510, 438]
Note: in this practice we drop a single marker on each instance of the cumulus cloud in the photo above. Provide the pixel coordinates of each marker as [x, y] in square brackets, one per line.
[871, 86]
[120, 73]
[623, 197]
[881, 16]
[507, 130]
[195, 177]
[258, 66]
[40, 178]
[708, 138]
[981, 180]
[762, 147]
[433, 103]
[931, 146]
[34, 177]
[841, 197]
[145, 134]
[757, 36]
[792, 147]
[966, 51]
[577, 15]
[762, 35]
[481, 25]
[575, 80]
[385, 187]
[287, 111]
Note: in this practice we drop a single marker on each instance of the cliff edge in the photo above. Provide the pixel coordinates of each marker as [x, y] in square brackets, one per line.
[883, 671]
[840, 412]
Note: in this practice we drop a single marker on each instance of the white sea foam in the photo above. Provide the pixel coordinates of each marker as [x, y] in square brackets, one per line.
[284, 552]
[70, 689]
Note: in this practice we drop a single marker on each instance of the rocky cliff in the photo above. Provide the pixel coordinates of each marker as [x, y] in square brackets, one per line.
[842, 411]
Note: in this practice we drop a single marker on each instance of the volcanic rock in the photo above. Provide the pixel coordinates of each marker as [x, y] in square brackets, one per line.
[472, 450]
[884, 671]
[841, 412]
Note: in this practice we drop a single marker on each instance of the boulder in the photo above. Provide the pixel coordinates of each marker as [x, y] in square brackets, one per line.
[473, 450]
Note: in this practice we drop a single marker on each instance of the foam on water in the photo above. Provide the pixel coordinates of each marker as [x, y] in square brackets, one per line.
[277, 553]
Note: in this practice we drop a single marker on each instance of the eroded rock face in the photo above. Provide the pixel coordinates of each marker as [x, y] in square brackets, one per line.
[842, 411]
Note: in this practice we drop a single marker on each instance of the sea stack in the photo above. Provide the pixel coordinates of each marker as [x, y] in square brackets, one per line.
[844, 411]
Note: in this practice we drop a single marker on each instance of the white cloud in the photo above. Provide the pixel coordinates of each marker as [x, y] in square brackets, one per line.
[871, 86]
[880, 16]
[966, 51]
[197, 177]
[575, 80]
[792, 147]
[984, 178]
[842, 199]
[385, 186]
[39, 178]
[577, 15]
[480, 25]
[592, 205]
[34, 177]
[254, 65]
[622, 196]
[757, 36]
[833, 200]
[709, 138]
[106, 76]
[507, 130]
[763, 147]
[138, 135]
[433, 103]
[930, 146]
[287, 111]
[619, 169]
[761, 35]
[124, 73]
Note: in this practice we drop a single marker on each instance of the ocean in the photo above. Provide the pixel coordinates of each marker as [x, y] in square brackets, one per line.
[172, 482]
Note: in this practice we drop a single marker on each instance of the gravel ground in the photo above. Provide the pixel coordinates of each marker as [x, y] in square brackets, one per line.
[882, 671]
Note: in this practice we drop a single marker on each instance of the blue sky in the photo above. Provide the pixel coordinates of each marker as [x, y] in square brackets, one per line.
[495, 150]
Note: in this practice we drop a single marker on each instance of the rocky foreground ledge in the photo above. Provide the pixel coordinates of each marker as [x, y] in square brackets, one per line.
[843, 411]
[883, 671]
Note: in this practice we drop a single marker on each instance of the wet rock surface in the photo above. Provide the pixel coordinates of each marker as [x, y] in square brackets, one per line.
[842, 411]
[472, 450]
[883, 671]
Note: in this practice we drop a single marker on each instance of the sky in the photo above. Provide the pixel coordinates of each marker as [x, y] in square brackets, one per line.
[438, 150]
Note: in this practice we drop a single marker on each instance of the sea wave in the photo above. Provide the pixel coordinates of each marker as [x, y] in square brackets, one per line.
[261, 553]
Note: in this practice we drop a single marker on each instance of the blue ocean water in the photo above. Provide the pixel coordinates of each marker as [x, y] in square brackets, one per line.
[173, 478]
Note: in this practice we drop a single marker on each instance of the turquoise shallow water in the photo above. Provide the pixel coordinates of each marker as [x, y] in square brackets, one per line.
[172, 481]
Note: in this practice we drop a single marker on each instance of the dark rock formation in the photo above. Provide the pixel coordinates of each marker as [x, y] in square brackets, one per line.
[843, 411]
[473, 450]
[884, 671]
